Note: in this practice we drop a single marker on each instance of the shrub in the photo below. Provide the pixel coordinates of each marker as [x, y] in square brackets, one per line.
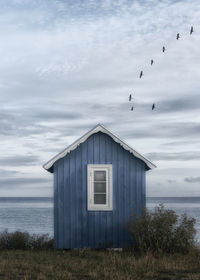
[41, 242]
[162, 231]
[24, 241]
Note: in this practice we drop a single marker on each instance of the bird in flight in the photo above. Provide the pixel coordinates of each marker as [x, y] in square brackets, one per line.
[152, 62]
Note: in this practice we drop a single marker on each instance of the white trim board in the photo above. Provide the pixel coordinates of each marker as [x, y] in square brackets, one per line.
[97, 128]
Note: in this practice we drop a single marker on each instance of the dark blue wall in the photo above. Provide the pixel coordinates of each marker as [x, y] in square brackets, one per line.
[74, 226]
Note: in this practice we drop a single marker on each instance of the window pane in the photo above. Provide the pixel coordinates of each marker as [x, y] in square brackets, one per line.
[99, 187]
[99, 175]
[99, 199]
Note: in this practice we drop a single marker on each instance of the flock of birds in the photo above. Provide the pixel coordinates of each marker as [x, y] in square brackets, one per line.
[151, 63]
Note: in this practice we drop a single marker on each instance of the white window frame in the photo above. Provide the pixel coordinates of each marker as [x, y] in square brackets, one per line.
[90, 187]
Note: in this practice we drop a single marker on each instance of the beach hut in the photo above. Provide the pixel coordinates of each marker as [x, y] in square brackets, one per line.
[99, 182]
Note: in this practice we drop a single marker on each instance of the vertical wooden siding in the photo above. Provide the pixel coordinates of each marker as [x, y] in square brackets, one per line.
[74, 225]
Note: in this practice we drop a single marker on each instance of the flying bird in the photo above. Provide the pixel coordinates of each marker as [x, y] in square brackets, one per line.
[132, 108]
[152, 61]
[163, 49]
[153, 106]
[130, 97]
[177, 36]
[141, 74]
[191, 30]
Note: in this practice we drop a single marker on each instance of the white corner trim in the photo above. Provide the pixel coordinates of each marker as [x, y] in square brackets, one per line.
[98, 128]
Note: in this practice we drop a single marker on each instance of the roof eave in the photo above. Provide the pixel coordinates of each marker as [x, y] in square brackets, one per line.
[98, 128]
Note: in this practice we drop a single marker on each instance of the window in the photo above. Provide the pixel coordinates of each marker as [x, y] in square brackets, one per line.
[99, 187]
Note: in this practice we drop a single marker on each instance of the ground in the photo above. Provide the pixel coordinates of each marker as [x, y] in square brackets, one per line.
[91, 264]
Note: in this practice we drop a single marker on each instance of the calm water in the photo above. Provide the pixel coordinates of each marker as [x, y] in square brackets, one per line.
[35, 215]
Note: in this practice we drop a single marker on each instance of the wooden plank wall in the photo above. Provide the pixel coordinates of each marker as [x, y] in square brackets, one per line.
[74, 225]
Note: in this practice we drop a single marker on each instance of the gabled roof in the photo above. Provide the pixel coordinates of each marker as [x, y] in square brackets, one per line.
[98, 128]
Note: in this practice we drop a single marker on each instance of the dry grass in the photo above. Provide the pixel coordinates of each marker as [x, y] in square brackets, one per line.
[88, 264]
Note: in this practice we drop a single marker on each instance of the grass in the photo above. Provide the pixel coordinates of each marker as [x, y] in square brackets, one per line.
[175, 255]
[91, 264]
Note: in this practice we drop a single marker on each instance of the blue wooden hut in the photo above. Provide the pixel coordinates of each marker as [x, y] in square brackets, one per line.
[99, 182]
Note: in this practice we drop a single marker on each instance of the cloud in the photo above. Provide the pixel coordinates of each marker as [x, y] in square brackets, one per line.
[192, 179]
[21, 182]
[12, 121]
[18, 160]
[8, 173]
[184, 103]
[181, 143]
[180, 156]
[171, 181]
[49, 114]
[68, 65]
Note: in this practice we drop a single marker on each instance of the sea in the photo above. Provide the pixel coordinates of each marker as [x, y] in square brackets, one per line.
[35, 214]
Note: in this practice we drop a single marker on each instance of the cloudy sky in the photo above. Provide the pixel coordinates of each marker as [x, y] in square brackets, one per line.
[67, 65]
